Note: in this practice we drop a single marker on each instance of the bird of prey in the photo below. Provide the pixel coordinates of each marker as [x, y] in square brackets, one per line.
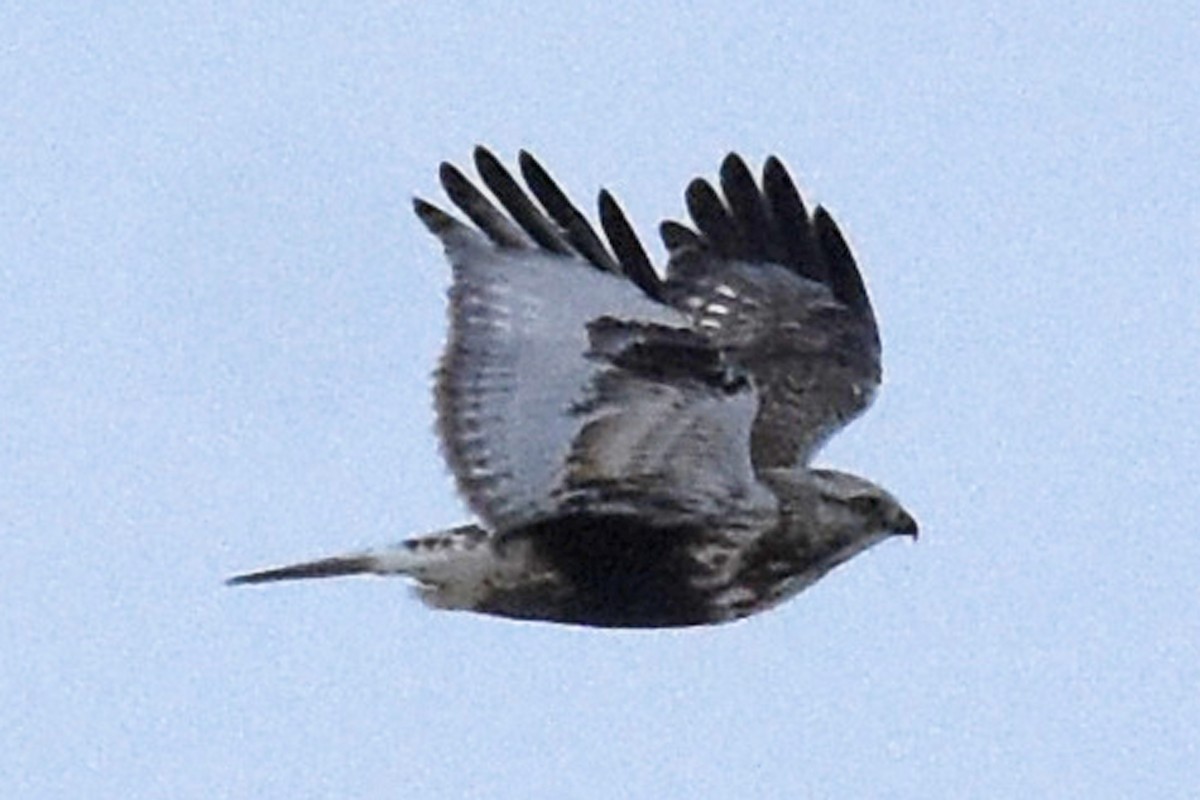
[636, 444]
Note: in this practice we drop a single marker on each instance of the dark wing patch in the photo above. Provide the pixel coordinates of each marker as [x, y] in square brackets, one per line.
[777, 291]
[768, 225]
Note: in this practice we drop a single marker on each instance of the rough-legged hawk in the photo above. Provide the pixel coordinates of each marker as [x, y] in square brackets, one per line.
[635, 446]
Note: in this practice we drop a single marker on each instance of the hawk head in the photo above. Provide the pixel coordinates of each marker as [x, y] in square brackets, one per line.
[848, 502]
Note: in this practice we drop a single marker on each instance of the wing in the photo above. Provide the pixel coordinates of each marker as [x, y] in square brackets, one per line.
[566, 378]
[776, 289]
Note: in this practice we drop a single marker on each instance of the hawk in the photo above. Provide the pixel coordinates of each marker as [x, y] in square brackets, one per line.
[636, 444]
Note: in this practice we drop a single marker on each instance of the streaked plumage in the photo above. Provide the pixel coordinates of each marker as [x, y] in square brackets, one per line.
[636, 446]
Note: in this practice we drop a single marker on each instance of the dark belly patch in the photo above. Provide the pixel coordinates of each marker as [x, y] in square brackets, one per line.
[613, 571]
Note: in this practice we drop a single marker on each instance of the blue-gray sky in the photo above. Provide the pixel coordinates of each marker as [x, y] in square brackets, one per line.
[218, 317]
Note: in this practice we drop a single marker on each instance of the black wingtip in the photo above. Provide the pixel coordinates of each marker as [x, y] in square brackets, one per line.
[459, 188]
[677, 236]
[747, 205]
[450, 175]
[517, 203]
[571, 222]
[712, 218]
[527, 162]
[484, 157]
[436, 220]
[792, 224]
[775, 169]
[733, 165]
[844, 277]
[631, 256]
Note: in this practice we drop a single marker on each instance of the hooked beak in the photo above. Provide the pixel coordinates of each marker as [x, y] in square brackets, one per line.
[905, 525]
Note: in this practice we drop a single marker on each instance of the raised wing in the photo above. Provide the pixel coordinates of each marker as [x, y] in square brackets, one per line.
[566, 378]
[777, 291]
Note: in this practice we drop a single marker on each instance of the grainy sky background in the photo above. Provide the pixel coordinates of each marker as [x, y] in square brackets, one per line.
[218, 318]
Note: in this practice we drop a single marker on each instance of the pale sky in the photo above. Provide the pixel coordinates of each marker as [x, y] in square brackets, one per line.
[219, 317]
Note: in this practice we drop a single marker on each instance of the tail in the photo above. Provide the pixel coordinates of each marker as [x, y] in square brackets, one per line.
[357, 564]
[421, 558]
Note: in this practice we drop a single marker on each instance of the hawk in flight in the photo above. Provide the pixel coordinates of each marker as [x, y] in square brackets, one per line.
[636, 444]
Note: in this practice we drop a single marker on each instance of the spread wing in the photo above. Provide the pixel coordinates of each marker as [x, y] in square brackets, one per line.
[776, 289]
[566, 376]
